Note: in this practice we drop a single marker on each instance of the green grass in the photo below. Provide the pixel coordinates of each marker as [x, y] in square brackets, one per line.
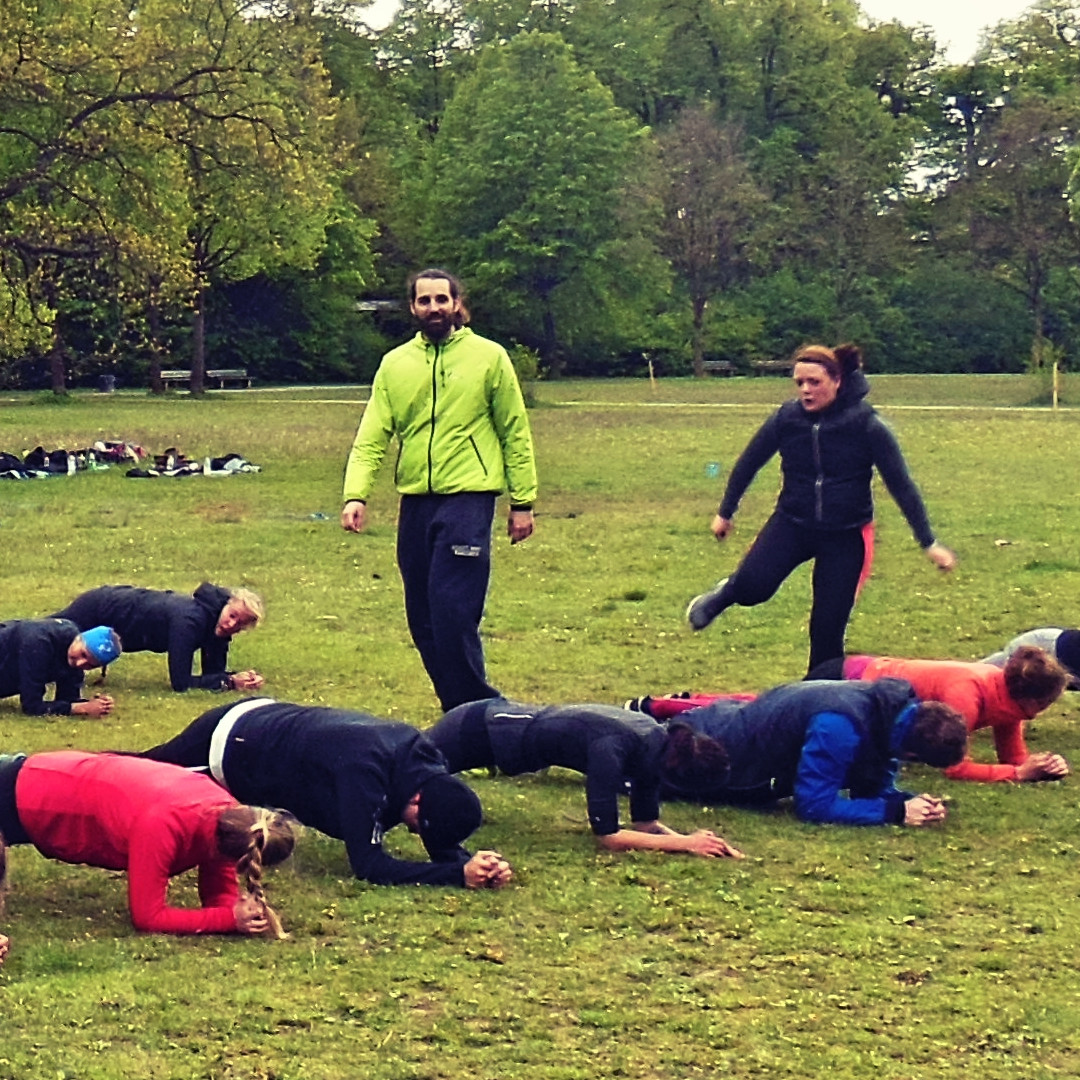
[937, 953]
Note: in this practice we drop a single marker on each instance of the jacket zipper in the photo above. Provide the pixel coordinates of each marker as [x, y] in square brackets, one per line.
[815, 438]
[431, 433]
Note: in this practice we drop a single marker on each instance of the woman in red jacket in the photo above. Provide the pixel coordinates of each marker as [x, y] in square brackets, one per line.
[154, 821]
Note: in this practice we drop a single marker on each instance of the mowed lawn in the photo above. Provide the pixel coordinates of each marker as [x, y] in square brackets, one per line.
[895, 954]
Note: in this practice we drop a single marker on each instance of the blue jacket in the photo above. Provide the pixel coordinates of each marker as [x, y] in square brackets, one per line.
[814, 740]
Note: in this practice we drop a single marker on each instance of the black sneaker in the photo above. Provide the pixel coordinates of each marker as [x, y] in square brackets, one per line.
[701, 611]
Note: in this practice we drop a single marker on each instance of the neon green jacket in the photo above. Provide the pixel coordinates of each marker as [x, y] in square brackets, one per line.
[459, 418]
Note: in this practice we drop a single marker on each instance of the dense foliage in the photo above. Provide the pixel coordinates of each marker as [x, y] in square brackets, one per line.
[218, 184]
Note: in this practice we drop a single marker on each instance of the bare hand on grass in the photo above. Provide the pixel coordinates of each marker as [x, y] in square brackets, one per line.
[246, 680]
[487, 870]
[1044, 766]
[250, 916]
[705, 842]
[923, 810]
[98, 706]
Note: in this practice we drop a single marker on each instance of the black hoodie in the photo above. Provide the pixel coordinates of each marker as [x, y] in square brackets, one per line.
[162, 621]
[34, 653]
[347, 774]
[827, 459]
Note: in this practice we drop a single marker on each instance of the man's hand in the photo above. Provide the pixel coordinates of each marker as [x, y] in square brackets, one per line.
[923, 810]
[250, 916]
[487, 870]
[721, 526]
[98, 706]
[1044, 766]
[941, 557]
[246, 680]
[519, 525]
[354, 516]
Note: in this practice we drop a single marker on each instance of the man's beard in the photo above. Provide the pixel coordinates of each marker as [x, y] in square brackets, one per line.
[435, 327]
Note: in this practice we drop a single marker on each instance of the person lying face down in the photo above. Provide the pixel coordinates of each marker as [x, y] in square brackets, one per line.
[162, 621]
[349, 775]
[818, 740]
[36, 652]
[614, 748]
[153, 821]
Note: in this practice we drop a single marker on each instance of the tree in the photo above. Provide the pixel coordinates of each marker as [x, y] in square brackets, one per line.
[710, 204]
[521, 190]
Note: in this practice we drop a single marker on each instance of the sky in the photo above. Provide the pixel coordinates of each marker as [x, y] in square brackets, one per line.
[957, 24]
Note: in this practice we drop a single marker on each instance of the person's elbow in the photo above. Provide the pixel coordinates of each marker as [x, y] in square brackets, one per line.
[815, 809]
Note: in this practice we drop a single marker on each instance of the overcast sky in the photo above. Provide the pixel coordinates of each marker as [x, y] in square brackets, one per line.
[957, 24]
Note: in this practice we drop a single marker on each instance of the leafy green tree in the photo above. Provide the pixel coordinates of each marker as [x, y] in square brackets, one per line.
[521, 190]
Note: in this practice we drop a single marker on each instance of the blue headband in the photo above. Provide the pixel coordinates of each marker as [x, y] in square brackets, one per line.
[102, 643]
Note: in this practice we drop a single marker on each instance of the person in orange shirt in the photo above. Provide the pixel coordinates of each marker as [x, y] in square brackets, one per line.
[984, 695]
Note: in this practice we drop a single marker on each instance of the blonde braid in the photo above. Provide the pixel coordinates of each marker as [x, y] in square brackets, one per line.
[250, 865]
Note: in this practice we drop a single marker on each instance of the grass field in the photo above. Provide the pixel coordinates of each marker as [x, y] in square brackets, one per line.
[898, 954]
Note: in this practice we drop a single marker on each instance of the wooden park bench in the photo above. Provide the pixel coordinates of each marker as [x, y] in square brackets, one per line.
[718, 367]
[229, 375]
[772, 367]
[221, 376]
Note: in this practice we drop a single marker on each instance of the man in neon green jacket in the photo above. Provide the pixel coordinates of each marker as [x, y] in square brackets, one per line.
[452, 400]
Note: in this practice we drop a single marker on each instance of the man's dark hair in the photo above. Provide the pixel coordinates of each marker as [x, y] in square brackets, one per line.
[937, 736]
[693, 766]
[457, 290]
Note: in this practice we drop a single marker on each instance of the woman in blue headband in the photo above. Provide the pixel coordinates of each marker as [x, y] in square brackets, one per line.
[36, 652]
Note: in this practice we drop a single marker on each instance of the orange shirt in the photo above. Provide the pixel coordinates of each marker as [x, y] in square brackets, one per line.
[977, 692]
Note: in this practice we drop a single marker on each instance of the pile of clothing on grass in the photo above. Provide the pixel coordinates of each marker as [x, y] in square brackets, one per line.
[39, 463]
[173, 463]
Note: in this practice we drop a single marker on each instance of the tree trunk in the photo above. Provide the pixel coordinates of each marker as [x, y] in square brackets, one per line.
[57, 369]
[198, 343]
[153, 322]
[549, 350]
[697, 337]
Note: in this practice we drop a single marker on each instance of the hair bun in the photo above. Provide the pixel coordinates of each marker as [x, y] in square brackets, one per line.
[850, 357]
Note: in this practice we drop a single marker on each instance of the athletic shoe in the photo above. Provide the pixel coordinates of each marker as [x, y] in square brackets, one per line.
[639, 704]
[701, 611]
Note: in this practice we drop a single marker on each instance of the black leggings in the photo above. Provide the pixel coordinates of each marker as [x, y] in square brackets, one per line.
[191, 748]
[780, 547]
[11, 829]
[461, 736]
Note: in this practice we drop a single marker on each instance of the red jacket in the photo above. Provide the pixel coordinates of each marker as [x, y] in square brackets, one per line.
[977, 692]
[126, 813]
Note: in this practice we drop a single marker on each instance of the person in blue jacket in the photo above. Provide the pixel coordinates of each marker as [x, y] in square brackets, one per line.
[349, 775]
[817, 740]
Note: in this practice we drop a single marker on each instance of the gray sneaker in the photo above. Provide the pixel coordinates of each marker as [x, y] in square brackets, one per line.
[701, 611]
